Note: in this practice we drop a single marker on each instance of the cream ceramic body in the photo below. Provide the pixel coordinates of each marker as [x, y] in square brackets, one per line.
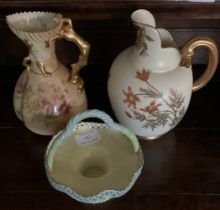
[149, 83]
[47, 94]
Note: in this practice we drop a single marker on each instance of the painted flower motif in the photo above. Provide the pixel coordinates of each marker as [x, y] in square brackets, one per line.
[144, 75]
[46, 106]
[54, 106]
[128, 114]
[135, 115]
[131, 99]
[150, 116]
[65, 108]
[151, 108]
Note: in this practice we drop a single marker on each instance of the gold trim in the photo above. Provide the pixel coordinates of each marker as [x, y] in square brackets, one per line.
[43, 69]
[27, 63]
[188, 51]
[68, 33]
[150, 138]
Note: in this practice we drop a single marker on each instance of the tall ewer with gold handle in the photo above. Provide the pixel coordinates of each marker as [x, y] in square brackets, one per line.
[47, 93]
[150, 83]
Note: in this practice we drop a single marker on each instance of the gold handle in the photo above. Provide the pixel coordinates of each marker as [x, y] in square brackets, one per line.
[188, 51]
[68, 33]
[27, 63]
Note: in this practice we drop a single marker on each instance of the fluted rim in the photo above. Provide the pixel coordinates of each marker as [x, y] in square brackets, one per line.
[50, 29]
[101, 196]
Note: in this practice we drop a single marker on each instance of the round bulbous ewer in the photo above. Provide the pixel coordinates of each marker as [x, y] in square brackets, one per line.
[151, 82]
[47, 94]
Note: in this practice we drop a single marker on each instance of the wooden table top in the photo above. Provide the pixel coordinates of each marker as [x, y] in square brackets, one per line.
[181, 170]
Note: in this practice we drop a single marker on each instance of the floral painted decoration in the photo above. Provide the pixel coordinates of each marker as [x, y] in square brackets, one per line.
[47, 104]
[141, 41]
[131, 99]
[152, 116]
